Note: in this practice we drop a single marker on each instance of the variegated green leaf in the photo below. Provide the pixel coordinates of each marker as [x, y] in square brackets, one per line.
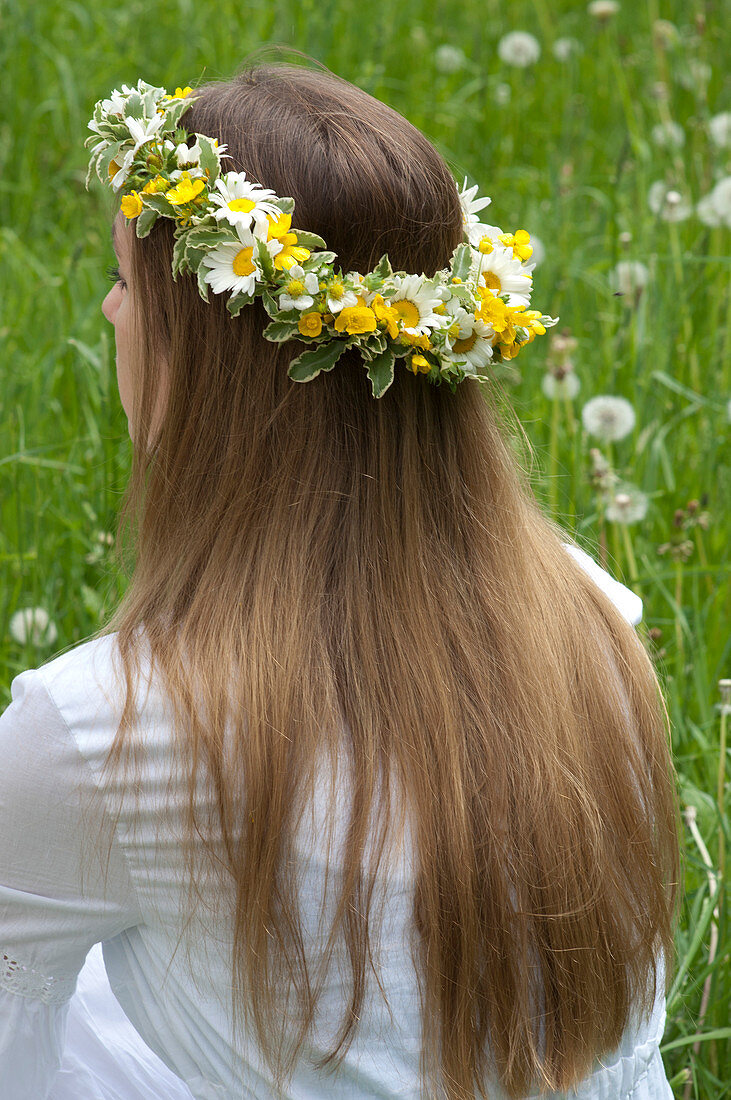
[380, 372]
[310, 363]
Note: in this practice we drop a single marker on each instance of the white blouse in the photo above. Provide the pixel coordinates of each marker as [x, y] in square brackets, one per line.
[59, 898]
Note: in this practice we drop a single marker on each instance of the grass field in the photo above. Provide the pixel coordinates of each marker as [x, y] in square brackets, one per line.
[580, 147]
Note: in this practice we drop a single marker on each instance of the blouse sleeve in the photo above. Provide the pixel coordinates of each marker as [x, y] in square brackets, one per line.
[64, 884]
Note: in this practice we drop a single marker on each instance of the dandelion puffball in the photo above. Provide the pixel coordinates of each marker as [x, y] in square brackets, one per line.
[714, 209]
[556, 388]
[719, 129]
[629, 277]
[519, 48]
[629, 505]
[608, 418]
[32, 625]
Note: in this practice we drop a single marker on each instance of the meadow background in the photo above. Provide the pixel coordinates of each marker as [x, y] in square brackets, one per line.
[580, 146]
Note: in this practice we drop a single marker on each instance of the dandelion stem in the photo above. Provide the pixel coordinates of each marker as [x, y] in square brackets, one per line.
[680, 657]
[631, 561]
[721, 790]
[700, 545]
[553, 479]
[690, 350]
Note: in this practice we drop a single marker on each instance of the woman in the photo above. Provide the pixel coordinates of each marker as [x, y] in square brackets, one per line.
[366, 787]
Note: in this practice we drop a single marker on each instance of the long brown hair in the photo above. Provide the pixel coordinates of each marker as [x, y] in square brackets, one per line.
[315, 568]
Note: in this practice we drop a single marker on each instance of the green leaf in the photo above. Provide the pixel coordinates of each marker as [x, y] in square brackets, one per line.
[159, 203]
[133, 107]
[309, 240]
[237, 302]
[286, 205]
[380, 372]
[203, 287]
[310, 363]
[145, 222]
[209, 159]
[383, 270]
[265, 260]
[279, 331]
[270, 304]
[462, 262]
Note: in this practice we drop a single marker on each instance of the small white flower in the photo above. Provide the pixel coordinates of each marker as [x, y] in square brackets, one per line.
[233, 266]
[300, 290]
[519, 48]
[668, 203]
[566, 48]
[471, 202]
[719, 129]
[32, 626]
[608, 418]
[449, 59]
[714, 209]
[668, 135]
[555, 388]
[338, 296]
[628, 506]
[629, 277]
[603, 9]
[243, 203]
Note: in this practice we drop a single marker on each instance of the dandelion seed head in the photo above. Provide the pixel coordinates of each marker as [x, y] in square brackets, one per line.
[608, 418]
[629, 277]
[714, 209]
[668, 135]
[603, 9]
[502, 94]
[32, 625]
[668, 203]
[719, 129]
[629, 506]
[519, 48]
[555, 388]
[449, 59]
[566, 48]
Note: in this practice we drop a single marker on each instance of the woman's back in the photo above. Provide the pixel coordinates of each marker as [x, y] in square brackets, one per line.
[172, 973]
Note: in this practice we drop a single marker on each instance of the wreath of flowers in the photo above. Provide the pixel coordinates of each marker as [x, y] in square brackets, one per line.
[236, 237]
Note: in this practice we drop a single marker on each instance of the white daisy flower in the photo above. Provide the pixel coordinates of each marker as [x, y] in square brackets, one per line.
[629, 277]
[300, 290]
[471, 203]
[242, 202]
[477, 232]
[566, 48]
[719, 129]
[33, 626]
[555, 388]
[338, 296]
[668, 203]
[141, 131]
[415, 304]
[714, 209]
[603, 9]
[233, 265]
[503, 274]
[449, 59]
[608, 418]
[466, 337]
[628, 506]
[519, 48]
[668, 135]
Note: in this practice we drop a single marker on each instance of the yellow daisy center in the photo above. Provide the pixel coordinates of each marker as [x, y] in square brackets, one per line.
[244, 205]
[337, 290]
[407, 311]
[242, 262]
[492, 281]
[467, 344]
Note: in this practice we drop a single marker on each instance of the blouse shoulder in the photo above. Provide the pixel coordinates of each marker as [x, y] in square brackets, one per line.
[623, 598]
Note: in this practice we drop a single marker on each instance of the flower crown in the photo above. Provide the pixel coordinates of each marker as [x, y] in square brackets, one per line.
[235, 236]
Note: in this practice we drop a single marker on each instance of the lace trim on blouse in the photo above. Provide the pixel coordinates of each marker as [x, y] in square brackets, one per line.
[27, 982]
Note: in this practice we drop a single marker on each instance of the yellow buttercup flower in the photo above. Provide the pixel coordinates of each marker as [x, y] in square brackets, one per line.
[131, 205]
[356, 319]
[486, 246]
[155, 186]
[419, 363]
[519, 242]
[185, 190]
[310, 324]
[278, 227]
[180, 93]
[492, 310]
[422, 341]
[387, 314]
